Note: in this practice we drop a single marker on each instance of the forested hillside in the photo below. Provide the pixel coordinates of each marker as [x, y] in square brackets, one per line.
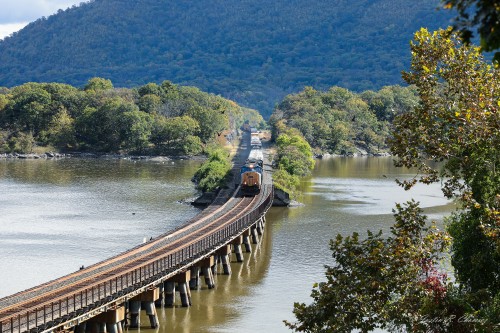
[254, 52]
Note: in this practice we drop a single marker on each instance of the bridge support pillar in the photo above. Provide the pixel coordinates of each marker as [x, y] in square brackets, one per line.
[134, 310]
[159, 301]
[237, 248]
[184, 294]
[217, 262]
[150, 308]
[107, 322]
[224, 253]
[169, 287]
[260, 228]
[145, 301]
[246, 240]
[81, 328]
[206, 268]
[255, 236]
[181, 280]
[111, 327]
[195, 278]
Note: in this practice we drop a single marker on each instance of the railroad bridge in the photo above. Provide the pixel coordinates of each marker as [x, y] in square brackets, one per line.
[108, 295]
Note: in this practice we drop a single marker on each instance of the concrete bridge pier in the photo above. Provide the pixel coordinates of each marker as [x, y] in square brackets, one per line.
[81, 328]
[144, 301]
[184, 294]
[134, 308]
[237, 248]
[194, 282]
[224, 253]
[159, 301]
[246, 240]
[182, 280]
[107, 322]
[260, 227]
[111, 327]
[150, 308]
[206, 268]
[255, 236]
[217, 261]
[169, 293]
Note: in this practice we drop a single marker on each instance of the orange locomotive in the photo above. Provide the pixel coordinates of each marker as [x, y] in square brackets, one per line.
[252, 173]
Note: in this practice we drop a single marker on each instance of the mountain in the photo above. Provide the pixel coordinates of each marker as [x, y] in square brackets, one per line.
[252, 51]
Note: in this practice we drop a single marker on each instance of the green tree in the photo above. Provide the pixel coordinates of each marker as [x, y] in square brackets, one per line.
[136, 130]
[62, 131]
[29, 108]
[213, 172]
[481, 14]
[96, 84]
[170, 134]
[382, 282]
[457, 122]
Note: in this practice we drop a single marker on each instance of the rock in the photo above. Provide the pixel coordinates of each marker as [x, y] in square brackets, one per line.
[187, 201]
[294, 203]
[281, 198]
[159, 159]
[205, 199]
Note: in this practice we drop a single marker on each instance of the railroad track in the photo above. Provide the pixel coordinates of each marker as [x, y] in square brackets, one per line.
[126, 261]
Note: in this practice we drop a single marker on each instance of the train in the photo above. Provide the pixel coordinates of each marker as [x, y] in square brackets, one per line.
[252, 173]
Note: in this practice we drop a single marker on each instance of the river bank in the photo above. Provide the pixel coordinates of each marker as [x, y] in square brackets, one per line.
[52, 155]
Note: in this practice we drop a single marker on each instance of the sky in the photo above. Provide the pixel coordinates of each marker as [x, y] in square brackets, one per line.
[15, 14]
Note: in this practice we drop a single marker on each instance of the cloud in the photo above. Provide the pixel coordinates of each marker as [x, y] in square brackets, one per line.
[8, 28]
[29, 10]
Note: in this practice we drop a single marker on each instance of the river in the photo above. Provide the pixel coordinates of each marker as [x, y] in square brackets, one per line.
[58, 215]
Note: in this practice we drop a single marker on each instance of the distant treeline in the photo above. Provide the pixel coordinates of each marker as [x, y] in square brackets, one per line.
[340, 121]
[150, 119]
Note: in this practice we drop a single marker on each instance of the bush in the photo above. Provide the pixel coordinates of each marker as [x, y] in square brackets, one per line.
[212, 174]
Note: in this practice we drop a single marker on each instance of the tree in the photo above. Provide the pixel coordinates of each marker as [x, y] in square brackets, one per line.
[382, 282]
[98, 84]
[483, 14]
[393, 283]
[457, 123]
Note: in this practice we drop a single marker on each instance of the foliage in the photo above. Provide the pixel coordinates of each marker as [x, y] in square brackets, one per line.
[482, 14]
[165, 119]
[294, 154]
[294, 159]
[286, 182]
[339, 121]
[98, 84]
[213, 172]
[457, 123]
[385, 282]
[248, 51]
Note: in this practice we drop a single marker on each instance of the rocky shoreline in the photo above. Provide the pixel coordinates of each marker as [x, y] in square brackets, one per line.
[326, 155]
[52, 155]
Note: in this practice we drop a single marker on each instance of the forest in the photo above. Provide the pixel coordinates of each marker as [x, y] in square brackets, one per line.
[162, 119]
[339, 121]
[252, 52]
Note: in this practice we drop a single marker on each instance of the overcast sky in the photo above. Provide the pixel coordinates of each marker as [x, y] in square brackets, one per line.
[15, 14]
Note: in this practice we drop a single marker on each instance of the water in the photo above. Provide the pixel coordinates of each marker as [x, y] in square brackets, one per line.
[57, 215]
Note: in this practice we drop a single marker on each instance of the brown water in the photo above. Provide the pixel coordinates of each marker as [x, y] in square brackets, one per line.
[57, 215]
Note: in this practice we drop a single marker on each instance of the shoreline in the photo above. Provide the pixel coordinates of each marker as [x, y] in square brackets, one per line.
[52, 155]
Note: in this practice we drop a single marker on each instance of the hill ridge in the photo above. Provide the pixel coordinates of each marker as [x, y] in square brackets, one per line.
[249, 51]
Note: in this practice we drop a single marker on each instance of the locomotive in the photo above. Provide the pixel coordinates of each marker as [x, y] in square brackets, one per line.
[252, 172]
